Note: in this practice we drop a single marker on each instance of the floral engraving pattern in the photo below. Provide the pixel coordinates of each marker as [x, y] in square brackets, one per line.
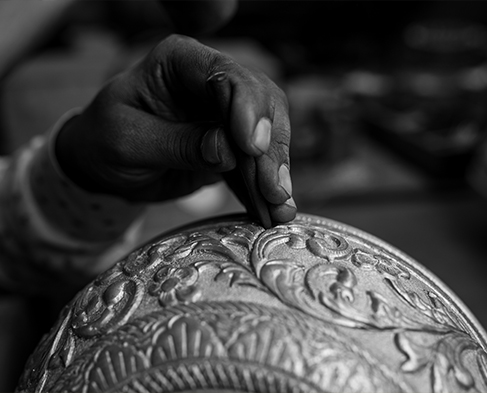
[307, 306]
[106, 305]
[173, 285]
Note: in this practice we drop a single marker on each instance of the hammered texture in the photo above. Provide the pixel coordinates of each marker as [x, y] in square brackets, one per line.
[310, 306]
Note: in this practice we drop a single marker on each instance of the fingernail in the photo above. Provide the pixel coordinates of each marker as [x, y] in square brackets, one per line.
[290, 202]
[217, 77]
[209, 147]
[285, 180]
[262, 135]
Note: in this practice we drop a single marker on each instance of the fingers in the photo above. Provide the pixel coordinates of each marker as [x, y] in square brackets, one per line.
[245, 105]
[256, 115]
[215, 87]
[202, 84]
[274, 167]
[254, 112]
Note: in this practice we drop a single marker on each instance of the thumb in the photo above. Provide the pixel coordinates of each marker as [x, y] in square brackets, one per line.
[216, 151]
[201, 146]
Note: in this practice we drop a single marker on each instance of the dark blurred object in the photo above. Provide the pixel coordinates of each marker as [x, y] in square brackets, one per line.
[129, 19]
[322, 118]
[25, 25]
[199, 16]
[138, 20]
[310, 34]
[41, 89]
[418, 69]
[331, 158]
[429, 105]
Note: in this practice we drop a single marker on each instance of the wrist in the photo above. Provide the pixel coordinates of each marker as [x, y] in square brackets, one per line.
[95, 216]
[67, 154]
[91, 167]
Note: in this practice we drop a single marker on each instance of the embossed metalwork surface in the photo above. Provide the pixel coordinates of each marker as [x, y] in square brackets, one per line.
[311, 306]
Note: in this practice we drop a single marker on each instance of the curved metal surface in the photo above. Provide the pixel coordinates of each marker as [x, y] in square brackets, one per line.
[310, 306]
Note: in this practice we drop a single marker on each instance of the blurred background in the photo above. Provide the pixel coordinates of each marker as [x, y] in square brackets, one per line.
[387, 103]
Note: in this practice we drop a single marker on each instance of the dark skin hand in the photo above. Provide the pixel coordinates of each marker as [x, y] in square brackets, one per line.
[178, 120]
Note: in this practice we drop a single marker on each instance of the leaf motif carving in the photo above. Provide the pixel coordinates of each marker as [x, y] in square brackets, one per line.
[381, 264]
[290, 282]
[443, 358]
[238, 275]
[322, 289]
[285, 280]
[434, 310]
[201, 245]
[328, 292]
[240, 235]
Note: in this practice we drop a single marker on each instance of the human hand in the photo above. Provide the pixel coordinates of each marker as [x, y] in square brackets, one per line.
[177, 120]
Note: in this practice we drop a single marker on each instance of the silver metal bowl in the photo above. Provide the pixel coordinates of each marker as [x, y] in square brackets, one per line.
[225, 305]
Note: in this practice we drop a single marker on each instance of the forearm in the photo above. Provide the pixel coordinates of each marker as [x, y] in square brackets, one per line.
[53, 232]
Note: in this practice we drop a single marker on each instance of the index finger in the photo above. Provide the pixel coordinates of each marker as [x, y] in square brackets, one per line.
[252, 109]
[256, 115]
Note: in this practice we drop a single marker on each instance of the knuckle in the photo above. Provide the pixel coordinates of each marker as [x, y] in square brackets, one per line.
[218, 62]
[279, 148]
[168, 49]
[281, 135]
[175, 40]
[113, 90]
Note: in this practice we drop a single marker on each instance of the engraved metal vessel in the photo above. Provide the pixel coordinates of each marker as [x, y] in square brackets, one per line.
[225, 305]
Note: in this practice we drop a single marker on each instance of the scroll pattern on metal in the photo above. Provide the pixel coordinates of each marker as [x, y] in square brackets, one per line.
[312, 306]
